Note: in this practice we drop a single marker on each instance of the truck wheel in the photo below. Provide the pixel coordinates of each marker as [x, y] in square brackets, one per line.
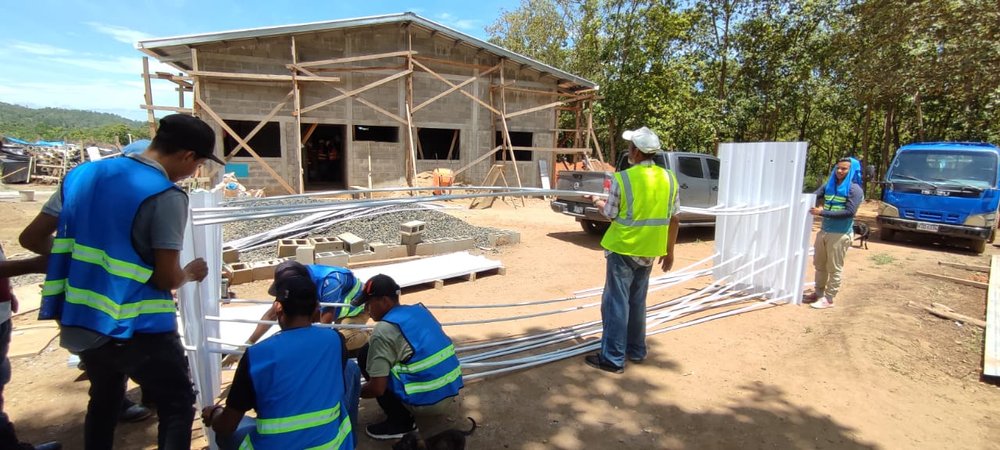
[593, 227]
[886, 234]
[978, 246]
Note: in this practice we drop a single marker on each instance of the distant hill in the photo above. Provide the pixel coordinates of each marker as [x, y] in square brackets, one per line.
[73, 125]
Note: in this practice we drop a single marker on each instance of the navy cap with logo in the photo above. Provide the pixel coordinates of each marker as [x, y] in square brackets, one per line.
[284, 270]
[380, 285]
[189, 133]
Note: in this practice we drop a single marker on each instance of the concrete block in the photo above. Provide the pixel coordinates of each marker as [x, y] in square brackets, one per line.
[461, 244]
[413, 226]
[337, 258]
[264, 270]
[360, 257]
[230, 255]
[286, 247]
[381, 250]
[397, 251]
[427, 248]
[326, 244]
[239, 273]
[505, 238]
[352, 243]
[411, 238]
[305, 254]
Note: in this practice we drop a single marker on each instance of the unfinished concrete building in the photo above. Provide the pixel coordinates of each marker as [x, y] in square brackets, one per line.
[372, 102]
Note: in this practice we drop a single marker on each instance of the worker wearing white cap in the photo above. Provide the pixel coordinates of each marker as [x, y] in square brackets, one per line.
[641, 205]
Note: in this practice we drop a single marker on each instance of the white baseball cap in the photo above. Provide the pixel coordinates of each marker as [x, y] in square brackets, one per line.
[644, 139]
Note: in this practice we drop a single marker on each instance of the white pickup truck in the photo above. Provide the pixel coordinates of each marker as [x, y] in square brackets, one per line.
[697, 174]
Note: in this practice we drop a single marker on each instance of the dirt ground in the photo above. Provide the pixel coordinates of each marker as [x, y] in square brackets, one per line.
[870, 373]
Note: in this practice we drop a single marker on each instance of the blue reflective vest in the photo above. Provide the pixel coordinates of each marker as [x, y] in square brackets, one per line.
[432, 373]
[298, 380]
[336, 285]
[95, 278]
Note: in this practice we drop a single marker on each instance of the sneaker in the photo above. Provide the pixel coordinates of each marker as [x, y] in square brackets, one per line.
[636, 360]
[823, 303]
[597, 362]
[134, 413]
[384, 431]
[811, 298]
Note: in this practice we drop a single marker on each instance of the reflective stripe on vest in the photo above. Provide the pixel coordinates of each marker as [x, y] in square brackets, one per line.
[99, 257]
[414, 388]
[433, 373]
[345, 311]
[427, 362]
[104, 304]
[298, 422]
[642, 231]
[834, 203]
[342, 433]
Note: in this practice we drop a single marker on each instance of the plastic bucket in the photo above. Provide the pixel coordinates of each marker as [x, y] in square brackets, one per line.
[442, 178]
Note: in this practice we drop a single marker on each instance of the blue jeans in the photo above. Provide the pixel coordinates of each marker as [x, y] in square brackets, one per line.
[623, 310]
[352, 398]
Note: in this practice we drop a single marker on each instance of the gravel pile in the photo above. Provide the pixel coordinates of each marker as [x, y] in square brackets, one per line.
[381, 228]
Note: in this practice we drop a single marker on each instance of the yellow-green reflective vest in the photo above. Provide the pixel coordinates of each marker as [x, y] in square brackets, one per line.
[648, 192]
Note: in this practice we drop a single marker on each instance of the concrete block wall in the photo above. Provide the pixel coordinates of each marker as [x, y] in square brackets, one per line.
[242, 101]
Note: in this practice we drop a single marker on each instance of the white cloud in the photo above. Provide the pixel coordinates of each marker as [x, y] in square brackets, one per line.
[458, 23]
[109, 95]
[120, 64]
[34, 48]
[119, 33]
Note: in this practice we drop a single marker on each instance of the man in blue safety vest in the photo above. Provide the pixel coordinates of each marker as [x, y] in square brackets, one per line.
[119, 228]
[333, 285]
[641, 205]
[296, 380]
[410, 364]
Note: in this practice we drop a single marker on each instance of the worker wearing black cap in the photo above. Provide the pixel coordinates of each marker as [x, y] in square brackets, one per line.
[411, 366]
[119, 228]
[294, 380]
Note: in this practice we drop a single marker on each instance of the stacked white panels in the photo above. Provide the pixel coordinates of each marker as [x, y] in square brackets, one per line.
[197, 300]
[763, 224]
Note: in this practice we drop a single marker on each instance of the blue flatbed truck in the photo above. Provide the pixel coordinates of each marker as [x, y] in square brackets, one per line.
[946, 189]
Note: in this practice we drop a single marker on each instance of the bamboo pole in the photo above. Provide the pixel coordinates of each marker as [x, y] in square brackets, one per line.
[298, 119]
[148, 96]
[506, 130]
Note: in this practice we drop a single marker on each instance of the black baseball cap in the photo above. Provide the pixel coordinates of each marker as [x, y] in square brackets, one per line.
[296, 289]
[189, 133]
[284, 270]
[380, 285]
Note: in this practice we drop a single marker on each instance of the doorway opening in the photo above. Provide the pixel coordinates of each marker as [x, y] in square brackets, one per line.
[324, 157]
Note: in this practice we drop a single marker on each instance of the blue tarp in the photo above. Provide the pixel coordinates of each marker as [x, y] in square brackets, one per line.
[38, 143]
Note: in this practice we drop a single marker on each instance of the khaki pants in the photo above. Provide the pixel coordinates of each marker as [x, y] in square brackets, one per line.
[829, 261]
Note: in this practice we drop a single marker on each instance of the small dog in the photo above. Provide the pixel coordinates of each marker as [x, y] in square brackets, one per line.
[452, 439]
[862, 232]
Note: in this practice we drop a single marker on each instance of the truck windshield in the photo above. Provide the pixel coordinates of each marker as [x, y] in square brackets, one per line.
[939, 168]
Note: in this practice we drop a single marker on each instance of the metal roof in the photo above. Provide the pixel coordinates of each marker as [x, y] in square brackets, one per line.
[176, 50]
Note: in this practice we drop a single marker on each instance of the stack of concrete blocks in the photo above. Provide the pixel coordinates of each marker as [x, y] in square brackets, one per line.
[230, 255]
[264, 270]
[506, 237]
[329, 251]
[357, 248]
[287, 247]
[389, 251]
[411, 234]
[239, 273]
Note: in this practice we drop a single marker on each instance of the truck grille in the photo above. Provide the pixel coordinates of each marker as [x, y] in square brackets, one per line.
[931, 216]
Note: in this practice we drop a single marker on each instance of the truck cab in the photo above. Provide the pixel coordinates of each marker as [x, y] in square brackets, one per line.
[942, 188]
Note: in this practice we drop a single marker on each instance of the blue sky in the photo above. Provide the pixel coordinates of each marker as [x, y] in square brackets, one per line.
[80, 54]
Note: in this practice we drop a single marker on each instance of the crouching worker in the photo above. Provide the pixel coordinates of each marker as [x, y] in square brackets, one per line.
[333, 285]
[411, 366]
[279, 379]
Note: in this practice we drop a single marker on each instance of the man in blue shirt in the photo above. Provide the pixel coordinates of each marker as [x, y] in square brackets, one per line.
[840, 196]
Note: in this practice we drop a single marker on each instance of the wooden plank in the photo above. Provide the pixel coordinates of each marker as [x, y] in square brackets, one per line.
[267, 167]
[991, 353]
[945, 312]
[454, 88]
[355, 91]
[309, 133]
[543, 107]
[259, 76]
[977, 284]
[449, 83]
[965, 266]
[553, 149]
[298, 119]
[327, 62]
[361, 100]
[477, 160]
[150, 117]
[450, 63]
[451, 148]
[260, 125]
[175, 109]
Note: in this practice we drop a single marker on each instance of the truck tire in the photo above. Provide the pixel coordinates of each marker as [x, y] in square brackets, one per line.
[886, 234]
[593, 227]
[978, 246]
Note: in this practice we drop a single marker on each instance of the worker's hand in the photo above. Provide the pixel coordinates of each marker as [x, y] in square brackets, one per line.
[209, 413]
[667, 262]
[196, 270]
[230, 360]
[816, 211]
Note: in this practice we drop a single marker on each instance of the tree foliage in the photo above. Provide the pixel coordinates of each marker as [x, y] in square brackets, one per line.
[851, 77]
[76, 126]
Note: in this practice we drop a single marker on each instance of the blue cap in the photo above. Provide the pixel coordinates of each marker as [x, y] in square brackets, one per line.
[136, 147]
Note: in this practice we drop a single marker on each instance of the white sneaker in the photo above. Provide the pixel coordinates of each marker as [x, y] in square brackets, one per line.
[822, 303]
